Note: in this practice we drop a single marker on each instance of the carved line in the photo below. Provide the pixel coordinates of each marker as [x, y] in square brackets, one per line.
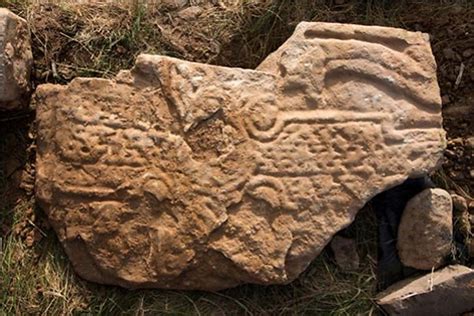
[309, 117]
[90, 191]
[415, 73]
[393, 43]
[401, 88]
[272, 183]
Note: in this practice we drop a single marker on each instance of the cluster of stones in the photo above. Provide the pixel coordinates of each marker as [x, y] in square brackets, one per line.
[190, 176]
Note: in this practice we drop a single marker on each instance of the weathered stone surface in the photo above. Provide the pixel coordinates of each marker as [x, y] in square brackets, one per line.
[16, 60]
[449, 291]
[426, 230]
[345, 253]
[185, 175]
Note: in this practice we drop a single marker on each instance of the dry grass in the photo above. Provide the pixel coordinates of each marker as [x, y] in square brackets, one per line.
[99, 39]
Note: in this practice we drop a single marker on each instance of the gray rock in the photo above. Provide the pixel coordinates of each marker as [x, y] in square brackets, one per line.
[449, 291]
[426, 229]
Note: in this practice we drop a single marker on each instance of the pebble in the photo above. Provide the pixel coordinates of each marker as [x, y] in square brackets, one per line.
[459, 203]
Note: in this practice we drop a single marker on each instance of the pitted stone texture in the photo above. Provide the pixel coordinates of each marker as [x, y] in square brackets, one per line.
[192, 176]
[15, 60]
[426, 230]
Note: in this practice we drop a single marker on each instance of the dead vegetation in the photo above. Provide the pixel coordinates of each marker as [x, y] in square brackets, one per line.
[100, 38]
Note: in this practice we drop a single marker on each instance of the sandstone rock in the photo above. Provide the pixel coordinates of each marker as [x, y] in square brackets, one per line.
[345, 253]
[449, 291]
[426, 229]
[15, 60]
[185, 175]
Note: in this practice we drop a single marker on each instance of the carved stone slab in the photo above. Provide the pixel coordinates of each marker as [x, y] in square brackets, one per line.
[191, 176]
[15, 60]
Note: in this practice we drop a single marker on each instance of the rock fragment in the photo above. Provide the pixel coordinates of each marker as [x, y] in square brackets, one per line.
[449, 291]
[192, 176]
[345, 253]
[426, 230]
[16, 60]
[459, 203]
[190, 13]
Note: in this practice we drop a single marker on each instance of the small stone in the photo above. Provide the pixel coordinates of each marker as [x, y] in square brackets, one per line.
[458, 141]
[446, 292]
[345, 253]
[470, 142]
[445, 99]
[426, 229]
[190, 13]
[456, 175]
[449, 53]
[16, 60]
[468, 53]
[462, 224]
[459, 203]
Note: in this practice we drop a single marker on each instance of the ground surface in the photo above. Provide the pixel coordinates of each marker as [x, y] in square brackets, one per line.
[72, 40]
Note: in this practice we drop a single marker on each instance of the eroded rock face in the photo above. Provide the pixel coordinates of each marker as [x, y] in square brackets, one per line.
[192, 176]
[425, 233]
[449, 291]
[16, 60]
